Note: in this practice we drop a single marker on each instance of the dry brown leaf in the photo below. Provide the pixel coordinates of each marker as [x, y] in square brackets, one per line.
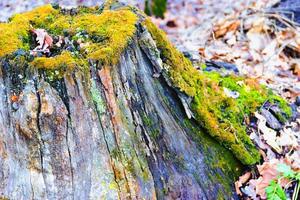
[295, 66]
[226, 26]
[294, 160]
[14, 98]
[44, 40]
[258, 25]
[286, 34]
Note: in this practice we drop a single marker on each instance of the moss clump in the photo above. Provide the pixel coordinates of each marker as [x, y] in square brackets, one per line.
[15, 34]
[250, 93]
[64, 60]
[38, 17]
[219, 114]
[55, 67]
[11, 38]
[114, 28]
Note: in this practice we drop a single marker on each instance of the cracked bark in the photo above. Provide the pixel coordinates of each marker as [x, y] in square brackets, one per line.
[59, 144]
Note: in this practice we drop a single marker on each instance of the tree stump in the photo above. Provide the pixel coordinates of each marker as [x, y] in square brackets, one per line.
[101, 116]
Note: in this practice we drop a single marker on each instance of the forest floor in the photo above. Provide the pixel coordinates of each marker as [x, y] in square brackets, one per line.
[262, 44]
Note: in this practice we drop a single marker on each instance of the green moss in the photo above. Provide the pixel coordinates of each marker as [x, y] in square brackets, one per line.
[55, 67]
[286, 109]
[220, 115]
[220, 195]
[155, 134]
[221, 159]
[62, 23]
[147, 120]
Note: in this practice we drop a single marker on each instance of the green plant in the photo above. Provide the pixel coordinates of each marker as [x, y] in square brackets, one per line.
[275, 192]
[156, 7]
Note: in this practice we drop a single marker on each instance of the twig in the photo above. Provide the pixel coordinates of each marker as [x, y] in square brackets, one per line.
[296, 191]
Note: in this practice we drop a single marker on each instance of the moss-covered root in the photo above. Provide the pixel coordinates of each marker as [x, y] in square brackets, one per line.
[220, 115]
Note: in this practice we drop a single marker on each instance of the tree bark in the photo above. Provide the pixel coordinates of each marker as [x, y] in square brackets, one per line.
[117, 133]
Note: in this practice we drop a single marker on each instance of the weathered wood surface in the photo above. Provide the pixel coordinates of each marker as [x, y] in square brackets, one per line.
[124, 134]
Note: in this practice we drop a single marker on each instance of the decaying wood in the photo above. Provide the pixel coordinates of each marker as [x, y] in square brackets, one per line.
[126, 138]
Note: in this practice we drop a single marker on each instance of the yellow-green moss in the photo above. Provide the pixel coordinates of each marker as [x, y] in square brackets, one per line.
[10, 38]
[65, 59]
[55, 67]
[37, 17]
[14, 35]
[219, 114]
[115, 27]
[62, 23]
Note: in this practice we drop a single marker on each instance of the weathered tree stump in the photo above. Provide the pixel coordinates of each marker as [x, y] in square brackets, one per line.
[108, 121]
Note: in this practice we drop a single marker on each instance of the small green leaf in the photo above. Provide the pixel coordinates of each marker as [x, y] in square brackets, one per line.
[275, 192]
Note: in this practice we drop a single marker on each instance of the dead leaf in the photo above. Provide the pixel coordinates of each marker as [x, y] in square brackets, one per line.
[44, 41]
[257, 41]
[295, 66]
[229, 24]
[268, 134]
